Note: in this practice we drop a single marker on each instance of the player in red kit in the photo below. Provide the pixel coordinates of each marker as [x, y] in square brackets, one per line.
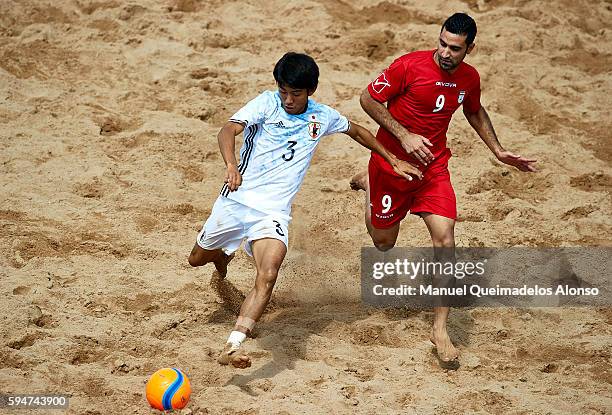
[422, 91]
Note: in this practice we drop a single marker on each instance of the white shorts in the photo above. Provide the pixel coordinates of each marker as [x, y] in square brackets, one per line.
[231, 222]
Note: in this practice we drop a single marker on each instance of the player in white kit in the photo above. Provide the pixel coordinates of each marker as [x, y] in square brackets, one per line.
[281, 132]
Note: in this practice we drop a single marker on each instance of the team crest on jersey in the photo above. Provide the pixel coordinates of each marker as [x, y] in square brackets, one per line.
[461, 96]
[314, 129]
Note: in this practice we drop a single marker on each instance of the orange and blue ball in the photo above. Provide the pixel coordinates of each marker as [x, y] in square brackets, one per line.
[168, 389]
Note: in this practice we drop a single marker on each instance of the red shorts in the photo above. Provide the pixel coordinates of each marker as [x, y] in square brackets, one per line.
[392, 196]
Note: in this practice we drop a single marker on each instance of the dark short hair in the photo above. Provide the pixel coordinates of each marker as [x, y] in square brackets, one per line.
[461, 24]
[296, 70]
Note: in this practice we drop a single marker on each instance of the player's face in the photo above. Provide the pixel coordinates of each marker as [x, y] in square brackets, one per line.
[451, 50]
[294, 100]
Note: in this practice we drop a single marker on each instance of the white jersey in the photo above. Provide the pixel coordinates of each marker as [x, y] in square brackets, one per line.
[277, 150]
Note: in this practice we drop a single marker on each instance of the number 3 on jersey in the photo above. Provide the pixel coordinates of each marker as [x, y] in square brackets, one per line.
[439, 103]
[289, 156]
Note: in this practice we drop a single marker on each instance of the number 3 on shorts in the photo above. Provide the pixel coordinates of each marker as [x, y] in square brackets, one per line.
[386, 202]
[279, 229]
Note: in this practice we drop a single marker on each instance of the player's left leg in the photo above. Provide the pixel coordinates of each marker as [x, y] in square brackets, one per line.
[269, 254]
[442, 231]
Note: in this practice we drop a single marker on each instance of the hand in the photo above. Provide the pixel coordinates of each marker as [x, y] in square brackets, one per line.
[521, 163]
[232, 177]
[405, 169]
[416, 146]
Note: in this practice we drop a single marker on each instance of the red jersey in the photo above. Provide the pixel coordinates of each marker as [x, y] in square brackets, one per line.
[422, 97]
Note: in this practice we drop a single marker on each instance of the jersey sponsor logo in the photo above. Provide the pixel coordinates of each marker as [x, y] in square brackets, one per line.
[314, 129]
[446, 84]
[380, 83]
[461, 96]
[279, 124]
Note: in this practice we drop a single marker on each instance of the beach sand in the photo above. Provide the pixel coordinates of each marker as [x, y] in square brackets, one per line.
[109, 112]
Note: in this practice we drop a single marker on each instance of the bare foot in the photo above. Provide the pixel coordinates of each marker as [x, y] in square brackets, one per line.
[221, 265]
[360, 181]
[444, 346]
[233, 356]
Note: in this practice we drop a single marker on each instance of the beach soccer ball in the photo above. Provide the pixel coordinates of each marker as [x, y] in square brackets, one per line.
[168, 389]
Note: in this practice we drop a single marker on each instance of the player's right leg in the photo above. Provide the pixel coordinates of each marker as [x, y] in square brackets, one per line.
[383, 238]
[385, 204]
[220, 236]
[200, 256]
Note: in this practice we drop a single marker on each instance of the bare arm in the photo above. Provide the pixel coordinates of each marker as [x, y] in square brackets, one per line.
[227, 145]
[414, 144]
[366, 139]
[481, 123]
